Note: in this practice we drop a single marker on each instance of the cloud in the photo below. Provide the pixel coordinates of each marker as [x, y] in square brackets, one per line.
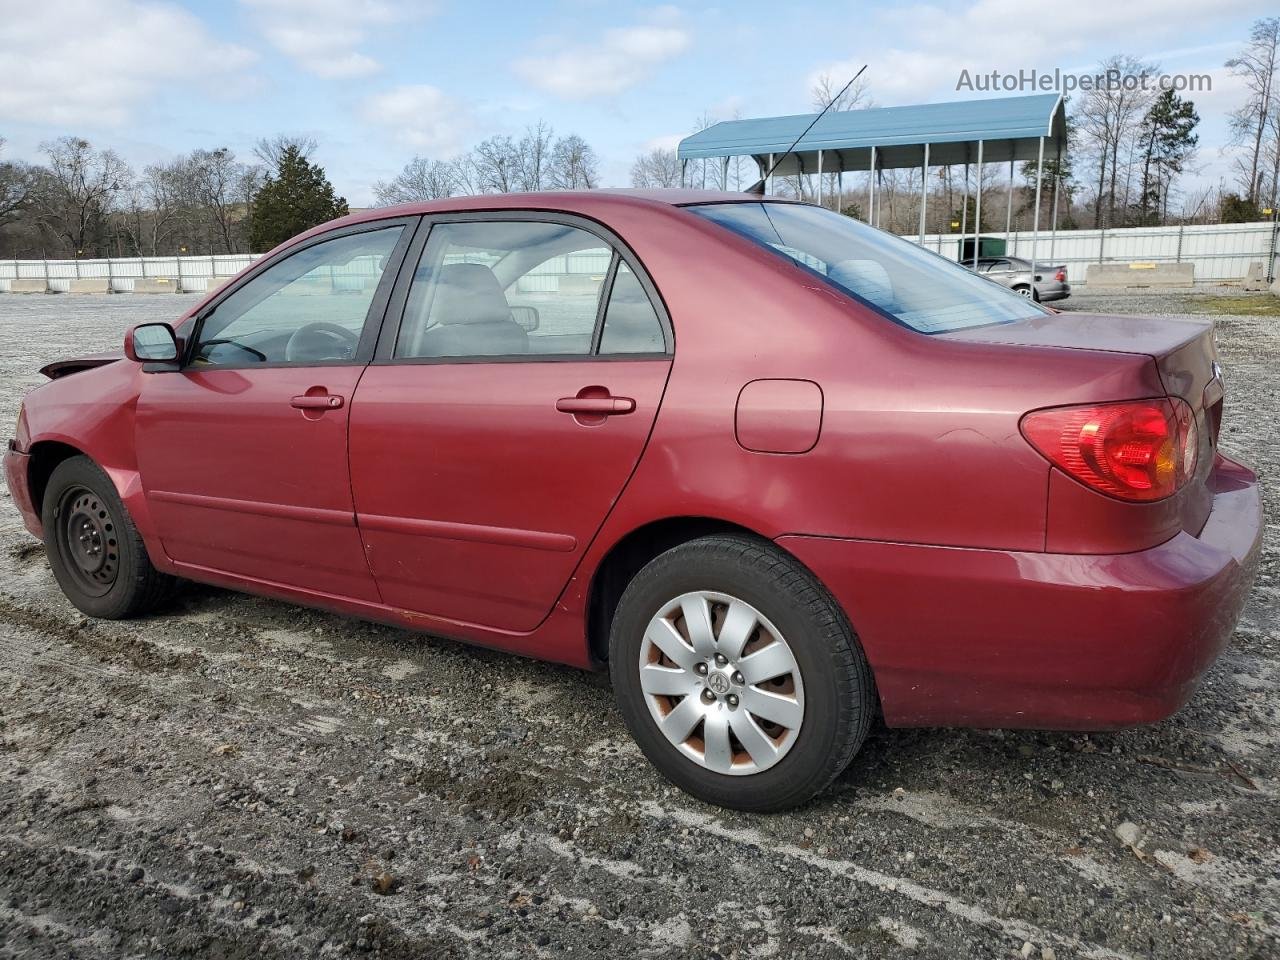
[1010, 35]
[621, 58]
[324, 36]
[92, 62]
[422, 117]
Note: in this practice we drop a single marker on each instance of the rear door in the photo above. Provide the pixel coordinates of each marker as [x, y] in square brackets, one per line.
[504, 414]
[243, 451]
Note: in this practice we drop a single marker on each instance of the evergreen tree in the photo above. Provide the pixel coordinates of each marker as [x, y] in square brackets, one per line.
[298, 197]
[1167, 140]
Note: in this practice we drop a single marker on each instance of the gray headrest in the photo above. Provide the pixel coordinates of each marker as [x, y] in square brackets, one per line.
[469, 293]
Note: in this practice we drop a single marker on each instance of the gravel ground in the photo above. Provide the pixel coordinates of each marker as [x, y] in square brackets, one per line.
[240, 777]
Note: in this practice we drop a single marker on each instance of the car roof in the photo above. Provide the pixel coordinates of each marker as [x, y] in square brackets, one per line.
[567, 201]
[594, 204]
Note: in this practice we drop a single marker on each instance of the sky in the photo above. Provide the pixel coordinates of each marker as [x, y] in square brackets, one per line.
[378, 81]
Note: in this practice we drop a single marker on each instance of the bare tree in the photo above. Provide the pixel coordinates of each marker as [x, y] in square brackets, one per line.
[155, 205]
[533, 157]
[1110, 121]
[1257, 64]
[77, 191]
[223, 187]
[574, 165]
[16, 183]
[826, 89]
[826, 92]
[270, 149]
[495, 165]
[657, 168]
[421, 179]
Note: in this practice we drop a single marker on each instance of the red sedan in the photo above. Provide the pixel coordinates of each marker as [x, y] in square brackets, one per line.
[781, 472]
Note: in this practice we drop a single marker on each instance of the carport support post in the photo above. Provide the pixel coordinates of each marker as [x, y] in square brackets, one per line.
[1008, 213]
[819, 178]
[840, 191]
[871, 201]
[724, 174]
[977, 212]
[924, 190]
[684, 166]
[1035, 219]
[1053, 217]
[768, 183]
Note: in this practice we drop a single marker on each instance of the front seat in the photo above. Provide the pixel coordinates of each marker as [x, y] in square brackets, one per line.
[470, 316]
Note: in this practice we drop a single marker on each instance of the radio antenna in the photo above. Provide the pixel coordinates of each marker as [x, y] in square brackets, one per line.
[759, 185]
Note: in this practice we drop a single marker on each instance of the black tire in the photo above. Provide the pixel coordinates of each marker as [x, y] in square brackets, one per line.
[839, 694]
[103, 568]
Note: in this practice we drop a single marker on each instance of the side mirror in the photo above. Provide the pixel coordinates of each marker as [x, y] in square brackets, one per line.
[151, 343]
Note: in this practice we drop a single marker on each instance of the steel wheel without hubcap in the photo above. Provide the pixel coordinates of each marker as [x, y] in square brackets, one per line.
[721, 683]
[87, 540]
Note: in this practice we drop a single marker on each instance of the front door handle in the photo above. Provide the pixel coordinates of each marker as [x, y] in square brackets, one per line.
[324, 401]
[597, 406]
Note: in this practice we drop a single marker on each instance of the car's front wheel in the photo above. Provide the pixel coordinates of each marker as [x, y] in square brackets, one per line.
[738, 675]
[96, 552]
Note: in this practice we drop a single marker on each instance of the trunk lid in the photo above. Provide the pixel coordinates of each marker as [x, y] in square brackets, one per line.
[1185, 356]
[1183, 350]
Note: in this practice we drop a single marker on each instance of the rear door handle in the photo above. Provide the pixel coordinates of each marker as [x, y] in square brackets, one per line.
[599, 406]
[326, 401]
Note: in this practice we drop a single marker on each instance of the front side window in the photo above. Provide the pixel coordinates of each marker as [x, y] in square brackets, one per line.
[310, 307]
[912, 286]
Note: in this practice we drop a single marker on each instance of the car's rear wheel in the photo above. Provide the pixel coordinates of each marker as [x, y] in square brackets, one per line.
[96, 553]
[738, 675]
[1026, 291]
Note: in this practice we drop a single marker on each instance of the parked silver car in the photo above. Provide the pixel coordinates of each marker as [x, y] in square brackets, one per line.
[1015, 273]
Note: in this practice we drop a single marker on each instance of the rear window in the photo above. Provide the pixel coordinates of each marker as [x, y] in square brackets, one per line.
[910, 285]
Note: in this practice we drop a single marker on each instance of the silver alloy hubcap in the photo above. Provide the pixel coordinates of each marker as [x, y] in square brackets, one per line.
[721, 683]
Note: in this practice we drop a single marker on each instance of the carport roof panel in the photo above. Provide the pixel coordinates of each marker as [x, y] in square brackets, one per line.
[1001, 119]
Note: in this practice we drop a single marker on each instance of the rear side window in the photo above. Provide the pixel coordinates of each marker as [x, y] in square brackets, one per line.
[912, 286]
[524, 289]
[505, 288]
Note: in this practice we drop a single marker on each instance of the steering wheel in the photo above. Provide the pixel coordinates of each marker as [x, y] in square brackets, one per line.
[321, 341]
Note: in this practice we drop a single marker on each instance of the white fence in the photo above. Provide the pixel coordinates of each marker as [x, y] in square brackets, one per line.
[1220, 252]
[191, 274]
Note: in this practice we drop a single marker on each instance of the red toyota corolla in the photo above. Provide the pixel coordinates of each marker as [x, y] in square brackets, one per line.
[779, 470]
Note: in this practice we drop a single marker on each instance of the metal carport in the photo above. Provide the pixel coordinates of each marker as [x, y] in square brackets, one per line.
[888, 138]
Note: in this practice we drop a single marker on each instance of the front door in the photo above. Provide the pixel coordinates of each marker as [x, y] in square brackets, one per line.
[498, 428]
[243, 452]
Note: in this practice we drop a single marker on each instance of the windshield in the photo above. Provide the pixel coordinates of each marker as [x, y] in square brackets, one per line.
[916, 288]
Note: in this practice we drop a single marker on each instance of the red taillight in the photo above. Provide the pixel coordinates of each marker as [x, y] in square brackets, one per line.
[1135, 450]
[1061, 276]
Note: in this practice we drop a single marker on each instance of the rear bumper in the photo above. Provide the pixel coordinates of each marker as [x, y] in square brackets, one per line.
[1053, 291]
[16, 466]
[960, 637]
